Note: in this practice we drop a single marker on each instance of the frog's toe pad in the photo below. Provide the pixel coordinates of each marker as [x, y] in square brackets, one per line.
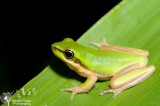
[114, 91]
[75, 90]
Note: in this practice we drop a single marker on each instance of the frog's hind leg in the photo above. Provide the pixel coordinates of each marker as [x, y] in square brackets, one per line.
[128, 78]
[105, 46]
[99, 45]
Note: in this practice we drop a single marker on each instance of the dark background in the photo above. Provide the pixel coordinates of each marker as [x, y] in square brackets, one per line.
[28, 28]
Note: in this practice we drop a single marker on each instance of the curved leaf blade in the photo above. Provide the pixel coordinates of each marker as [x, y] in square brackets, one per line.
[132, 23]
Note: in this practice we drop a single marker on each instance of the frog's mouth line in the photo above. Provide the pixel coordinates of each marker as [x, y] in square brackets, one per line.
[58, 49]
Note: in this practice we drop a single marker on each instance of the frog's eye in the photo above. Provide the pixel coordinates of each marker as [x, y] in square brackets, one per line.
[69, 54]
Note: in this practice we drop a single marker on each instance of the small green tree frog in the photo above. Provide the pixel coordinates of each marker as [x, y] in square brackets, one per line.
[124, 67]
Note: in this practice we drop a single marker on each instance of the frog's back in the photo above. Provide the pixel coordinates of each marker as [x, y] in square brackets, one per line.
[110, 62]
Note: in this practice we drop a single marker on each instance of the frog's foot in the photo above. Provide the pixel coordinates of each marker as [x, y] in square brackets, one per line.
[99, 45]
[114, 91]
[85, 87]
[75, 90]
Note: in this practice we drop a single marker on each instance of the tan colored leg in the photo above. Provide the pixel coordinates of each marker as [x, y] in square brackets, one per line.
[129, 81]
[85, 87]
[104, 46]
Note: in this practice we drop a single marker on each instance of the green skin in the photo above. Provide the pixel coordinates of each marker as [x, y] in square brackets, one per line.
[124, 67]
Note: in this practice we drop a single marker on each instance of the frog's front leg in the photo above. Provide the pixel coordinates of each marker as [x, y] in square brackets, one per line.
[128, 78]
[85, 87]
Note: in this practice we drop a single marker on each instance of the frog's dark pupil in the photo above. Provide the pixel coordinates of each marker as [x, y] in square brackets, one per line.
[69, 54]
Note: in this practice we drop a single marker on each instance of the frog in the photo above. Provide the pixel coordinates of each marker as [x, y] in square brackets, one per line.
[123, 67]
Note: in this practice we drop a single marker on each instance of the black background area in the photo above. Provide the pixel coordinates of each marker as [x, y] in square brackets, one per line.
[28, 28]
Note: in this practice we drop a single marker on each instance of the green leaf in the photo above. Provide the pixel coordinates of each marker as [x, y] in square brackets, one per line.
[132, 23]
